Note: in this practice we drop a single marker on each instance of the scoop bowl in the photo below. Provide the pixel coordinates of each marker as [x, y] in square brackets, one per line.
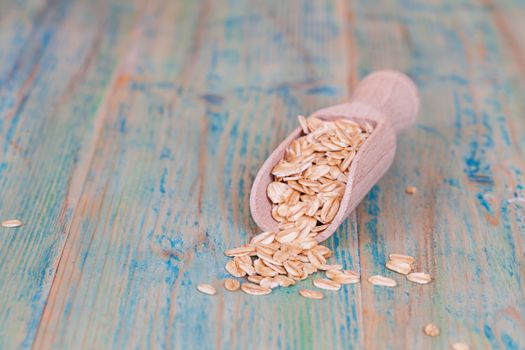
[389, 102]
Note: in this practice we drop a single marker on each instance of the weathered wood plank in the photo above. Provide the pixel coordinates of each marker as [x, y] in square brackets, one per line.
[55, 67]
[208, 91]
[465, 225]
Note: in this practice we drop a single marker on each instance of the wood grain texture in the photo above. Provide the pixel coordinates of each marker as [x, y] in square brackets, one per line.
[131, 132]
[48, 100]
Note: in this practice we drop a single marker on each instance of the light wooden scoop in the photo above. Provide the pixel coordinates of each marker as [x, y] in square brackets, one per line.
[389, 101]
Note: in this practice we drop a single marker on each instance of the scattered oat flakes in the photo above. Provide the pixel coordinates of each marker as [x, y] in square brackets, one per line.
[11, 223]
[431, 330]
[311, 294]
[460, 346]
[231, 284]
[419, 277]
[255, 289]
[206, 289]
[383, 281]
[411, 190]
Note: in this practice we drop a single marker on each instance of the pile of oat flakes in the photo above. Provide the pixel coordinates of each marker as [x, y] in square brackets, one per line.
[309, 183]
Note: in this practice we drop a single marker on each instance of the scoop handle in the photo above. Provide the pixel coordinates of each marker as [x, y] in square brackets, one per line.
[393, 94]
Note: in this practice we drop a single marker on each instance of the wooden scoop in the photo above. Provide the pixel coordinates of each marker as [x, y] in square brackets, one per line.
[387, 100]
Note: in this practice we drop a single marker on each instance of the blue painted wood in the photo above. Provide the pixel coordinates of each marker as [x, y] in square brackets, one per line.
[54, 70]
[131, 133]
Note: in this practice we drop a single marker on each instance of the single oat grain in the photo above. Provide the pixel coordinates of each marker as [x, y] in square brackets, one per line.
[311, 294]
[11, 223]
[343, 277]
[402, 257]
[399, 266]
[431, 330]
[255, 289]
[231, 284]
[327, 284]
[419, 277]
[383, 281]
[411, 190]
[460, 346]
[206, 289]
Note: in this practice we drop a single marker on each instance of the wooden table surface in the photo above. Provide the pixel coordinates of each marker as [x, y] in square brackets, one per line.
[131, 132]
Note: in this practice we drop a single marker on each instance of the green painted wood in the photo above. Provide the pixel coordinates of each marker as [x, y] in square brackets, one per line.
[131, 133]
